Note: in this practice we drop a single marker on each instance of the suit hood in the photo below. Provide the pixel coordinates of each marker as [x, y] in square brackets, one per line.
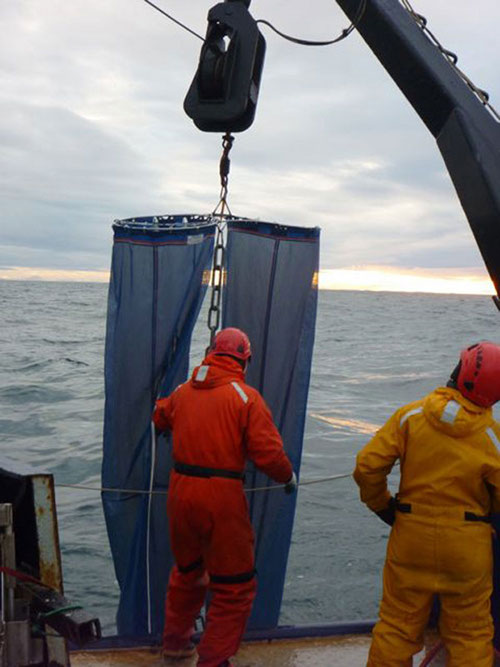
[215, 371]
[453, 414]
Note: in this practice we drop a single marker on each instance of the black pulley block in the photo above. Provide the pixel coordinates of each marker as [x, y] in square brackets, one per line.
[223, 94]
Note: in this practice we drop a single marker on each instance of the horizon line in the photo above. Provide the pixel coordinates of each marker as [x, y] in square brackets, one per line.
[369, 278]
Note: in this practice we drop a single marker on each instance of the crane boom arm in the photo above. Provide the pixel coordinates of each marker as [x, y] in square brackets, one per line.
[467, 134]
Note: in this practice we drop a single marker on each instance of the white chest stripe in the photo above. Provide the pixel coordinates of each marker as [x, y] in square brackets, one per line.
[240, 391]
[202, 373]
[450, 412]
[493, 437]
[416, 411]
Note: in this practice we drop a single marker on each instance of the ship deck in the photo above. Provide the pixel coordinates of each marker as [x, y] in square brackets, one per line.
[340, 651]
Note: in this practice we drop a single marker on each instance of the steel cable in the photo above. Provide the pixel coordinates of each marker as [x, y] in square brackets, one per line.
[295, 40]
[306, 42]
[452, 58]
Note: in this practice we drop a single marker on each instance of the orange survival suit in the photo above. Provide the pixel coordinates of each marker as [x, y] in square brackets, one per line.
[217, 422]
[440, 542]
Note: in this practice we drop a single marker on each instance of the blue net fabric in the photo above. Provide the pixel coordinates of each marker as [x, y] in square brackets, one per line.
[159, 276]
[271, 293]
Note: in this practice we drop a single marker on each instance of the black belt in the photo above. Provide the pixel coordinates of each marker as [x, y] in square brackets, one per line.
[470, 516]
[405, 508]
[202, 471]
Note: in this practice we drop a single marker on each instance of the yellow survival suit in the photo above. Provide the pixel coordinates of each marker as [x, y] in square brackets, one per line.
[440, 542]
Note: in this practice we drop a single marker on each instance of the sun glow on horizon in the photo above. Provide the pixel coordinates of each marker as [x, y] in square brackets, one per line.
[53, 275]
[400, 279]
[364, 278]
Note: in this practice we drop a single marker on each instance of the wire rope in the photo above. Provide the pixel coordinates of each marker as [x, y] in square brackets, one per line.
[104, 489]
[418, 18]
[179, 23]
[451, 57]
[306, 42]
[295, 40]
[148, 529]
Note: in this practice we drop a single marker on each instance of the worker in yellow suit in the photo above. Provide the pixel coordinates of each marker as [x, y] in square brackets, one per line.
[448, 445]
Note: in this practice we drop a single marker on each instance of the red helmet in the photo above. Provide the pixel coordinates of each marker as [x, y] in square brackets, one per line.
[233, 342]
[479, 373]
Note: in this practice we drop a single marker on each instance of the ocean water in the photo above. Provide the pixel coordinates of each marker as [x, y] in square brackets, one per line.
[373, 353]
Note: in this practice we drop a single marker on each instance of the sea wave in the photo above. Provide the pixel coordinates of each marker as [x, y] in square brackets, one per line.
[373, 352]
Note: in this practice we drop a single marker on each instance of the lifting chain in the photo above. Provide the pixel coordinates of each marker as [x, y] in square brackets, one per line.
[217, 283]
[217, 277]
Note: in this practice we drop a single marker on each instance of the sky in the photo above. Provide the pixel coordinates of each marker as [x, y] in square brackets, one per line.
[92, 129]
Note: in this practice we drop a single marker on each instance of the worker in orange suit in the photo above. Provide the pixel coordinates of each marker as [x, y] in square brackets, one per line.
[440, 543]
[217, 422]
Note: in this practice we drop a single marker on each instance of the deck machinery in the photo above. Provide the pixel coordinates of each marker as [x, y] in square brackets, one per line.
[37, 623]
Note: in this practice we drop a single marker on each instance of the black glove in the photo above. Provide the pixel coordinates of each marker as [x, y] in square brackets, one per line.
[388, 515]
[495, 522]
[291, 485]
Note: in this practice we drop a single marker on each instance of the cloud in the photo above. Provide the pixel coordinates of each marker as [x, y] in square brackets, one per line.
[64, 180]
[92, 129]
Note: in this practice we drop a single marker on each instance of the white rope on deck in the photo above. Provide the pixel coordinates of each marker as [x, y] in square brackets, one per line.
[148, 530]
[104, 489]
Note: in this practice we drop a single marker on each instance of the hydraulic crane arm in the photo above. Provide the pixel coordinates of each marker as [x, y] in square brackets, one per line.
[467, 134]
